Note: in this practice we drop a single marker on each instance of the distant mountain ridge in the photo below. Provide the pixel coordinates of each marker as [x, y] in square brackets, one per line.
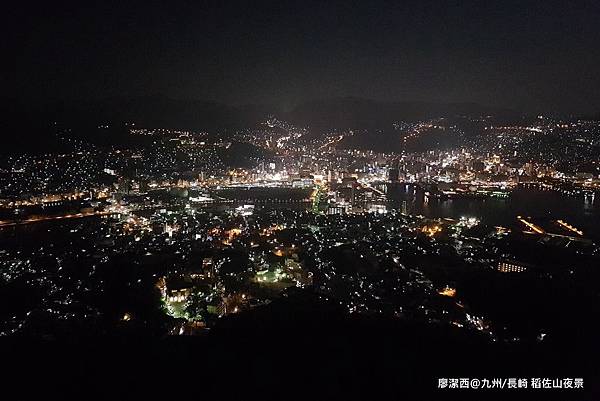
[359, 113]
[24, 122]
[160, 110]
[27, 126]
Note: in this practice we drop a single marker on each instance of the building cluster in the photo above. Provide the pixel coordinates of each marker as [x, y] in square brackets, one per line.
[186, 228]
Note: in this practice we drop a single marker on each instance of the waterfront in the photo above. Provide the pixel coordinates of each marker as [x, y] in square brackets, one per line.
[542, 205]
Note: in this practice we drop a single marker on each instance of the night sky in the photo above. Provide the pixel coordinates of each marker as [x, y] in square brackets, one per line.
[526, 55]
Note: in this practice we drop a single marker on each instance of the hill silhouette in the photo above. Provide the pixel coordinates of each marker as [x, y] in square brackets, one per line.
[27, 126]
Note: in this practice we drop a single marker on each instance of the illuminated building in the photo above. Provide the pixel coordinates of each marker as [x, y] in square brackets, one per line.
[394, 174]
[506, 266]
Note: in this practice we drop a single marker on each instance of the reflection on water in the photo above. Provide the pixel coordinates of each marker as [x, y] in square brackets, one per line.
[582, 211]
[589, 201]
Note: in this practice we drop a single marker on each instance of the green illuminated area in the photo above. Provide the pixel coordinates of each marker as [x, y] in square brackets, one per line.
[175, 309]
[319, 197]
[269, 277]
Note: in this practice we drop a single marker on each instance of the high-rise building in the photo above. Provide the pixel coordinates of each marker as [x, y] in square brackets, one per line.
[511, 266]
[394, 171]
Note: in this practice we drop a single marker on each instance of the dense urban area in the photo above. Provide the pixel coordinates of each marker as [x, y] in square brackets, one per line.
[456, 222]
[300, 200]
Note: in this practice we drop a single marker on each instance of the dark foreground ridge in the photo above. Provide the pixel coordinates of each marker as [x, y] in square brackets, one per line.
[298, 347]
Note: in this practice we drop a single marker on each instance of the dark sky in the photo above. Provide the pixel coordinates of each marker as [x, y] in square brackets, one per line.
[528, 55]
